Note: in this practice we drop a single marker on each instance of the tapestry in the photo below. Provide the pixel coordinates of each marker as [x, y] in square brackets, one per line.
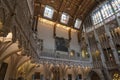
[62, 44]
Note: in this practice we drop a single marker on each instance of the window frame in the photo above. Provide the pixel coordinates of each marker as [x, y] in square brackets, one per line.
[116, 5]
[62, 19]
[48, 12]
[77, 23]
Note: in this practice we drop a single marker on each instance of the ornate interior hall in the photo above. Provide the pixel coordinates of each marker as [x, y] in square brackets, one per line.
[59, 39]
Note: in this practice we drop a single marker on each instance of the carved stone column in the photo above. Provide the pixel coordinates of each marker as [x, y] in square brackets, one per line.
[75, 72]
[112, 45]
[63, 69]
[88, 45]
[47, 71]
[102, 54]
[79, 45]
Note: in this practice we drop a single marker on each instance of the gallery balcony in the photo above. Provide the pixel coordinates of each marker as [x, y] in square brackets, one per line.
[111, 64]
[97, 64]
[50, 55]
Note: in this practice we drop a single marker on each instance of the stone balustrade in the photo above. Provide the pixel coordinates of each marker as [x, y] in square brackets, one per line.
[111, 64]
[61, 55]
[97, 64]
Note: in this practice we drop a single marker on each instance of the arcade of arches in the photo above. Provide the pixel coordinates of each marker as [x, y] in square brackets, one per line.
[59, 39]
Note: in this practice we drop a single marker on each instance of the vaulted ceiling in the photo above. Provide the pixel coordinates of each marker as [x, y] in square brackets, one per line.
[75, 8]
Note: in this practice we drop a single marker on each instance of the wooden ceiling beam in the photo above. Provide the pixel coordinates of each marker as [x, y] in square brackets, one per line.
[83, 19]
[71, 3]
[60, 7]
[84, 6]
[81, 28]
[58, 11]
[76, 12]
[87, 9]
[78, 8]
[90, 10]
[37, 1]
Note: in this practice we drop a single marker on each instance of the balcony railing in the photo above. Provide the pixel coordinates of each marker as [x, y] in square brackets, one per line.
[51, 54]
[111, 64]
[97, 64]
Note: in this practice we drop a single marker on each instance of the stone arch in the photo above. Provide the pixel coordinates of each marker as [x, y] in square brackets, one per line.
[76, 72]
[81, 70]
[94, 75]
